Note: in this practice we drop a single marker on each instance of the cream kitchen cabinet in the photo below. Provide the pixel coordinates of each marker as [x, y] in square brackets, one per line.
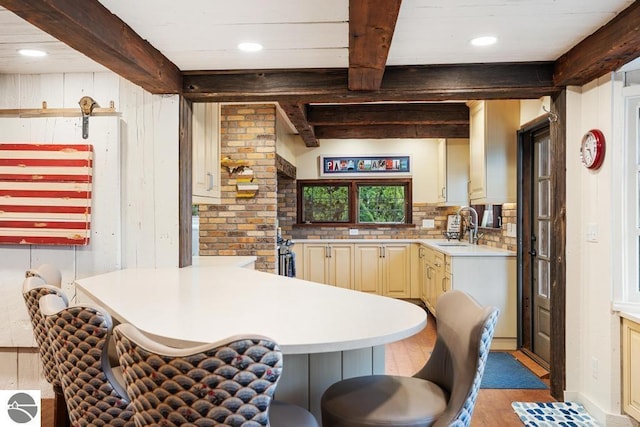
[422, 273]
[383, 269]
[490, 279]
[206, 153]
[328, 263]
[453, 172]
[437, 277]
[492, 151]
[631, 368]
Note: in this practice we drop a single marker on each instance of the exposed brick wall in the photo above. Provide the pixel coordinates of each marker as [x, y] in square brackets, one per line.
[245, 226]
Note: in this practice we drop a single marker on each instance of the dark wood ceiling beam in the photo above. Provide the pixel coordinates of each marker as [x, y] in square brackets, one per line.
[606, 50]
[90, 28]
[392, 131]
[415, 83]
[371, 27]
[367, 114]
[297, 115]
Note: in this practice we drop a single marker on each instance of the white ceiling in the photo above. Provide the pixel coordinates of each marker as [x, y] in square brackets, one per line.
[203, 34]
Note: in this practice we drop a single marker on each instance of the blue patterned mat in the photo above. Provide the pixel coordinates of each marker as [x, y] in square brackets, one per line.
[552, 414]
[504, 371]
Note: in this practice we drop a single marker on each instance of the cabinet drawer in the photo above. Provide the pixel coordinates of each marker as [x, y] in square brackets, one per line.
[428, 254]
[438, 260]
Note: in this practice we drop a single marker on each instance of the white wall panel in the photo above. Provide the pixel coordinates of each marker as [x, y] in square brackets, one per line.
[139, 146]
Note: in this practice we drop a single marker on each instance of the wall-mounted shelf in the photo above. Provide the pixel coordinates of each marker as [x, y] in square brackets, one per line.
[56, 112]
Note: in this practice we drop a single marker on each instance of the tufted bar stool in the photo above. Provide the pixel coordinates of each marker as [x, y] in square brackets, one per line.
[231, 382]
[46, 280]
[94, 392]
[442, 393]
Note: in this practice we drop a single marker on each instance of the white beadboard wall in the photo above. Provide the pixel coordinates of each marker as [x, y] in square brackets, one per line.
[135, 195]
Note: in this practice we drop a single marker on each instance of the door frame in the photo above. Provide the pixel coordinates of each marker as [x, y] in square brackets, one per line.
[557, 128]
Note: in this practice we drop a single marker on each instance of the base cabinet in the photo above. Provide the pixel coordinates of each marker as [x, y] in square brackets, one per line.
[380, 268]
[491, 280]
[331, 264]
[437, 280]
[631, 368]
[383, 269]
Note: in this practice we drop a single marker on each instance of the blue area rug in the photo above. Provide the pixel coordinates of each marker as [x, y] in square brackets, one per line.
[552, 414]
[504, 371]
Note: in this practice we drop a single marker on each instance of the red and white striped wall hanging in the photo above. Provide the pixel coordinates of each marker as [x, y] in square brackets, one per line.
[45, 194]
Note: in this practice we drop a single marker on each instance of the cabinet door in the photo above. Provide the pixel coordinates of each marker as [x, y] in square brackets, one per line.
[492, 145]
[477, 165]
[422, 274]
[341, 265]
[206, 153]
[397, 268]
[315, 262]
[442, 170]
[631, 368]
[430, 287]
[368, 268]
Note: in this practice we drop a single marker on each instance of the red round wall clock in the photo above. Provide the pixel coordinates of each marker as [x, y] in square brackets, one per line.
[592, 149]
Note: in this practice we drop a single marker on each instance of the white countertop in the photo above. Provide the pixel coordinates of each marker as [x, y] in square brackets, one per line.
[205, 304]
[458, 248]
[461, 248]
[222, 261]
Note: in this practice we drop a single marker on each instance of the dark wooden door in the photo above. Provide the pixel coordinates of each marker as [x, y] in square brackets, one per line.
[541, 241]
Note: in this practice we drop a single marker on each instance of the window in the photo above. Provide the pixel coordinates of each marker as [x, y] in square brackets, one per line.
[627, 255]
[358, 201]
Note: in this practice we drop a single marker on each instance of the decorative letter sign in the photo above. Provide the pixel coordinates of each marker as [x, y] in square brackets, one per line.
[45, 194]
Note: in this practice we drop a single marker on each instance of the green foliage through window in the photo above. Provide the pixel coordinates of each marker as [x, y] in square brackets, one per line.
[381, 203]
[326, 203]
[362, 201]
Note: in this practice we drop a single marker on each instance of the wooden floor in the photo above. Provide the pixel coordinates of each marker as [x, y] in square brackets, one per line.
[493, 407]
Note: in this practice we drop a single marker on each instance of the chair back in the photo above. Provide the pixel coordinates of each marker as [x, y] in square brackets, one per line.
[47, 272]
[34, 288]
[79, 337]
[230, 382]
[464, 334]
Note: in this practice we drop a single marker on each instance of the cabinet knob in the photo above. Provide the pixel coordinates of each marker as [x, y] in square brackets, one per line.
[209, 181]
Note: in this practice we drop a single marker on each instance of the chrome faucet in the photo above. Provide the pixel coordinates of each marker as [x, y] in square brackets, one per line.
[473, 223]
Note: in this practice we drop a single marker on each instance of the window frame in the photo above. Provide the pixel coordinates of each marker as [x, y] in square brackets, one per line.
[353, 185]
[626, 232]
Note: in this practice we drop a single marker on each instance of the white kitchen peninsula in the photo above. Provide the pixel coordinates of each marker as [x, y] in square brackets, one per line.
[326, 333]
[488, 274]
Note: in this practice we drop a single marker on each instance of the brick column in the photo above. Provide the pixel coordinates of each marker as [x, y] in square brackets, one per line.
[245, 226]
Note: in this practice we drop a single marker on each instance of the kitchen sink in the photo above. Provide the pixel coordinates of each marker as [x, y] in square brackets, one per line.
[452, 244]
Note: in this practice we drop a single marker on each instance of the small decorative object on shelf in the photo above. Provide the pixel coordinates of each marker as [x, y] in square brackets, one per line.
[246, 184]
[234, 166]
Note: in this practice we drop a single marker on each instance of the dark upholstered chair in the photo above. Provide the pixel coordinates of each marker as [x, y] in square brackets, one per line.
[442, 393]
[42, 281]
[49, 273]
[231, 382]
[79, 335]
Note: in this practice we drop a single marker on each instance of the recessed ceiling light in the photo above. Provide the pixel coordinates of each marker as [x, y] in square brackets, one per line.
[250, 47]
[484, 41]
[32, 52]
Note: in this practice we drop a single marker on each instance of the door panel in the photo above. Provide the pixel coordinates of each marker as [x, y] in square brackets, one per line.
[541, 246]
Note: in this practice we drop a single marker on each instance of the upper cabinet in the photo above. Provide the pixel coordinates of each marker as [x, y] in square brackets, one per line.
[492, 148]
[206, 153]
[453, 172]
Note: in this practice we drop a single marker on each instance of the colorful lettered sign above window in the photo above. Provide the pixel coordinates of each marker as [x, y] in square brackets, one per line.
[45, 194]
[364, 165]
